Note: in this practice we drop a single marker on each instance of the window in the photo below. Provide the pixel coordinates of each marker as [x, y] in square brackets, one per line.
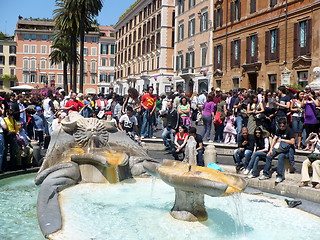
[12, 60]
[180, 31]
[218, 54]
[93, 79]
[204, 21]
[85, 51]
[12, 49]
[236, 82]
[273, 3]
[112, 62]
[1, 71]
[218, 18]
[191, 29]
[25, 48]
[33, 65]
[235, 10]
[33, 37]
[302, 38]
[204, 50]
[1, 48]
[94, 39]
[272, 45]
[179, 61]
[235, 53]
[60, 66]
[1, 84]
[33, 78]
[60, 79]
[252, 49]
[218, 82]
[25, 64]
[272, 82]
[303, 78]
[104, 48]
[33, 49]
[43, 78]
[25, 78]
[43, 49]
[44, 37]
[12, 72]
[85, 39]
[103, 77]
[12, 83]
[253, 6]
[2, 60]
[190, 59]
[103, 62]
[93, 51]
[180, 6]
[192, 3]
[93, 67]
[112, 50]
[26, 36]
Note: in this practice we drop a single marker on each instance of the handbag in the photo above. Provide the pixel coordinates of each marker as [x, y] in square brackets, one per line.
[260, 116]
[313, 157]
[283, 147]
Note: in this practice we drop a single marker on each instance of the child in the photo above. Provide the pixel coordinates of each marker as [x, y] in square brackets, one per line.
[229, 129]
[25, 148]
[38, 123]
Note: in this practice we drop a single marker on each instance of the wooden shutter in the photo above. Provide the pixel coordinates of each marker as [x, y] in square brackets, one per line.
[239, 58]
[248, 57]
[256, 49]
[239, 10]
[181, 61]
[278, 45]
[232, 54]
[221, 57]
[231, 11]
[187, 60]
[215, 57]
[221, 17]
[267, 47]
[309, 38]
[177, 63]
[253, 6]
[296, 49]
[201, 22]
[215, 19]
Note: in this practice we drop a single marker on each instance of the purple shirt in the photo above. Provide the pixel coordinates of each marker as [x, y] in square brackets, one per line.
[208, 108]
[310, 113]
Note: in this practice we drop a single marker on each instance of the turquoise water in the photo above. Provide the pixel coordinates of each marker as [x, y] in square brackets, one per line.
[140, 210]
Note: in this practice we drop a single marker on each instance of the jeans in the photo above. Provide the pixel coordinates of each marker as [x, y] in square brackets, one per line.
[219, 132]
[200, 160]
[147, 124]
[207, 123]
[167, 133]
[1, 149]
[49, 121]
[280, 168]
[240, 122]
[253, 164]
[238, 155]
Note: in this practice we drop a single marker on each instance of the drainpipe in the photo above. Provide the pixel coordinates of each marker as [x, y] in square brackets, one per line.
[227, 10]
[286, 36]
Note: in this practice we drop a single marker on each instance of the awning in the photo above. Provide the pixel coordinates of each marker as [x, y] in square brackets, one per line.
[21, 87]
[91, 91]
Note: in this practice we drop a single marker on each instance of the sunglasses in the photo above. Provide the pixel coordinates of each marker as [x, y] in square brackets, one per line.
[282, 125]
[258, 132]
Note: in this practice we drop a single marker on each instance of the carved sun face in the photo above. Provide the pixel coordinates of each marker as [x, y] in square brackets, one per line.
[91, 129]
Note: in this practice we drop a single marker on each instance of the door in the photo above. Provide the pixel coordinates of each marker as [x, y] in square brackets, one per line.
[252, 81]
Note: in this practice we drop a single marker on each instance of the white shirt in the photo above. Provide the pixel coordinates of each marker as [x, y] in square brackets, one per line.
[47, 111]
[2, 122]
[202, 99]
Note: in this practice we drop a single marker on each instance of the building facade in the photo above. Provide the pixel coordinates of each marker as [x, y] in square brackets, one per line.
[7, 64]
[265, 43]
[106, 58]
[33, 67]
[145, 47]
[193, 45]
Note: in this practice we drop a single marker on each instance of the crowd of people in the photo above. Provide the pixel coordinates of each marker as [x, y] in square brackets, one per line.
[289, 118]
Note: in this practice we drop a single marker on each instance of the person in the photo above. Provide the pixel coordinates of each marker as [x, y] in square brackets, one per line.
[219, 118]
[180, 141]
[229, 130]
[283, 104]
[184, 112]
[19, 109]
[38, 125]
[260, 152]
[48, 111]
[284, 138]
[313, 161]
[171, 125]
[241, 106]
[131, 100]
[297, 117]
[73, 104]
[148, 103]
[87, 109]
[199, 146]
[25, 151]
[255, 111]
[207, 116]
[244, 150]
[109, 95]
[3, 127]
[128, 122]
[101, 106]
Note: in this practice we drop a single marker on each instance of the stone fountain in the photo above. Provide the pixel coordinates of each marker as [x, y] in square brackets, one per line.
[88, 150]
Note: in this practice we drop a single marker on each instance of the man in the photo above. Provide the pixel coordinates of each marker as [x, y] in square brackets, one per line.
[19, 110]
[48, 112]
[148, 104]
[73, 104]
[111, 92]
[285, 138]
[199, 146]
[244, 150]
[240, 106]
[283, 104]
[171, 126]
[127, 122]
[101, 106]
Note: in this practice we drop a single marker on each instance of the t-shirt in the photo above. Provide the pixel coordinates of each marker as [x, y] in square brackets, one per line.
[243, 108]
[148, 101]
[2, 122]
[283, 111]
[47, 108]
[198, 140]
[184, 108]
[76, 105]
[128, 122]
[286, 134]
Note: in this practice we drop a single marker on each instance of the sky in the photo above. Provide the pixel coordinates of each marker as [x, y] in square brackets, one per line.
[11, 9]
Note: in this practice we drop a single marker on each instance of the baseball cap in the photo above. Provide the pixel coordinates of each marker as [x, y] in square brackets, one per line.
[38, 108]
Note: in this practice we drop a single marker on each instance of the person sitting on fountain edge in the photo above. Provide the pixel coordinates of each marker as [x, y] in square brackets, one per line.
[171, 125]
[127, 122]
[244, 150]
[282, 145]
[199, 146]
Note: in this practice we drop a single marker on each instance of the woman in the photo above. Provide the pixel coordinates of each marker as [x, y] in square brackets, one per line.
[219, 118]
[184, 112]
[255, 110]
[310, 118]
[180, 142]
[194, 106]
[297, 117]
[87, 109]
[131, 100]
[207, 116]
[260, 153]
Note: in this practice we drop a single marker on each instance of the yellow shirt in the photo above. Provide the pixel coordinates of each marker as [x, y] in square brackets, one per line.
[11, 124]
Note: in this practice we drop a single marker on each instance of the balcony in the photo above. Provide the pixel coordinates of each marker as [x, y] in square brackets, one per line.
[187, 73]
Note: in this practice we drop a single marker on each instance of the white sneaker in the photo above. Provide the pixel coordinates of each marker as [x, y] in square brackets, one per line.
[251, 176]
[279, 180]
[246, 172]
[142, 137]
[154, 137]
[263, 177]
